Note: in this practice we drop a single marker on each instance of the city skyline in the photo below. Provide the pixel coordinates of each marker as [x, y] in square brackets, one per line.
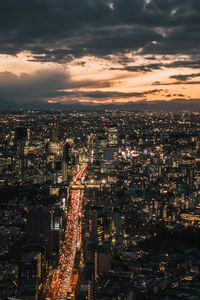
[99, 51]
[99, 205]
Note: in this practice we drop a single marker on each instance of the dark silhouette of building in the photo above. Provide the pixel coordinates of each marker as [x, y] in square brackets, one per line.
[30, 274]
[67, 154]
[67, 162]
[40, 220]
[20, 138]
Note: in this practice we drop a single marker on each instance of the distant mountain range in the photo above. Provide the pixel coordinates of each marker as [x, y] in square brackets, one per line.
[175, 105]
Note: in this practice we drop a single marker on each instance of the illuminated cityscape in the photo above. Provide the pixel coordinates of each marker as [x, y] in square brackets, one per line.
[100, 150]
[99, 205]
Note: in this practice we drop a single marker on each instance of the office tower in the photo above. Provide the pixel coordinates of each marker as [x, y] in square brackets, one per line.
[39, 226]
[96, 224]
[54, 132]
[56, 234]
[96, 229]
[30, 274]
[28, 134]
[110, 154]
[67, 154]
[66, 162]
[111, 151]
[20, 133]
[111, 134]
[93, 274]
[103, 260]
[20, 138]
[64, 171]
[91, 147]
[96, 153]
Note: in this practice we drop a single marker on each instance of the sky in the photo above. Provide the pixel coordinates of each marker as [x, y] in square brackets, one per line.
[99, 51]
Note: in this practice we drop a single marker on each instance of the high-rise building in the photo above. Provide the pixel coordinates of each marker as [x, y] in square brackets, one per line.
[91, 147]
[96, 228]
[96, 224]
[64, 171]
[20, 133]
[66, 162]
[111, 151]
[30, 274]
[96, 150]
[54, 132]
[110, 154]
[20, 138]
[39, 227]
[67, 154]
[111, 134]
[92, 256]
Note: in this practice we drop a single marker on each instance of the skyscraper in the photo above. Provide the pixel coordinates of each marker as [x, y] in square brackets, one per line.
[112, 136]
[110, 152]
[30, 276]
[66, 161]
[20, 138]
[39, 226]
[67, 154]
[54, 132]
[20, 133]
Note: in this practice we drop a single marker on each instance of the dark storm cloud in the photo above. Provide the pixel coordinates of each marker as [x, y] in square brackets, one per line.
[40, 85]
[180, 40]
[143, 68]
[118, 95]
[99, 96]
[185, 77]
[30, 87]
[107, 41]
[26, 24]
[181, 79]
[99, 42]
[189, 62]
[177, 83]
[58, 31]
[57, 85]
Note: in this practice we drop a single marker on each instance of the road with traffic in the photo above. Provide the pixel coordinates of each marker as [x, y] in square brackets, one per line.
[60, 283]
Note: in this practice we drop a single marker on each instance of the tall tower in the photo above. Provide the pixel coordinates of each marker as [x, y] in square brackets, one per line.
[20, 138]
[30, 273]
[96, 228]
[96, 223]
[66, 162]
[112, 136]
[54, 132]
[91, 147]
[111, 150]
[39, 224]
[67, 154]
[93, 277]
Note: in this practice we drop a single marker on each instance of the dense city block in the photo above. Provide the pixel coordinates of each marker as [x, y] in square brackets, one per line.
[99, 205]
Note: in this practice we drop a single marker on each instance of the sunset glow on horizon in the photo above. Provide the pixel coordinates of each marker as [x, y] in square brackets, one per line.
[139, 50]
